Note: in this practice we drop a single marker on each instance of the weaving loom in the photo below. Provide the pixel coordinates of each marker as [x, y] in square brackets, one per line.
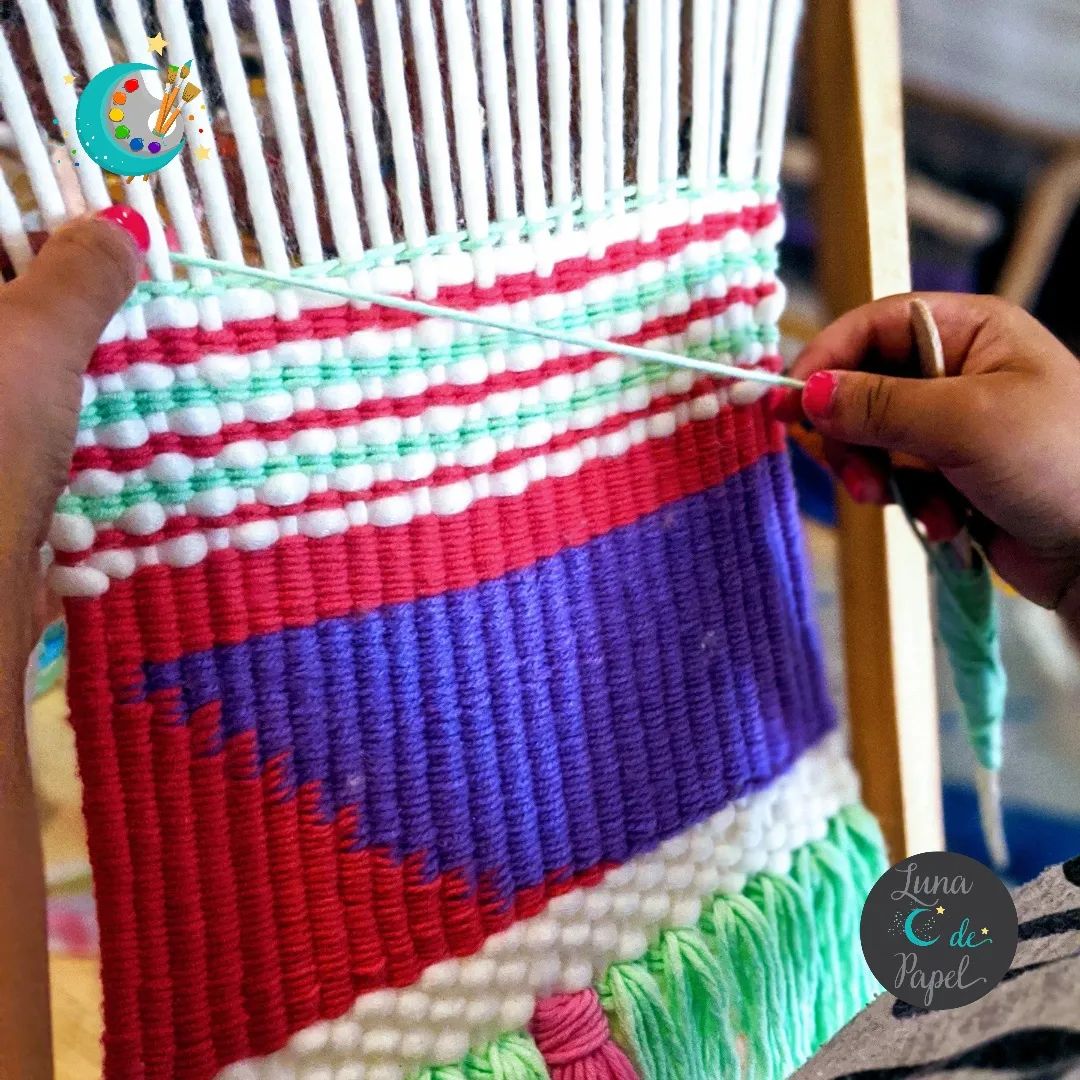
[448, 702]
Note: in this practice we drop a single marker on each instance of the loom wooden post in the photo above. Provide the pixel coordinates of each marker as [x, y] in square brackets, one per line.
[854, 57]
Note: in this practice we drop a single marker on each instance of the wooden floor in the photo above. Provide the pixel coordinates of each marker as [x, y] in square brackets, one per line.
[76, 992]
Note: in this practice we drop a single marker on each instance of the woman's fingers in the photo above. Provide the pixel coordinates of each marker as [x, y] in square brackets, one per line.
[57, 310]
[944, 421]
[879, 334]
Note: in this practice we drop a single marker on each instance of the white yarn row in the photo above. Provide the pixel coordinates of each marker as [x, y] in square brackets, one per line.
[219, 370]
[286, 488]
[76, 532]
[458, 1004]
[453, 267]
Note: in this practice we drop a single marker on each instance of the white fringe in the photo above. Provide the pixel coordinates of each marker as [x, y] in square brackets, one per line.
[468, 118]
[497, 102]
[556, 42]
[528, 108]
[329, 125]
[671, 113]
[249, 145]
[216, 200]
[649, 53]
[350, 47]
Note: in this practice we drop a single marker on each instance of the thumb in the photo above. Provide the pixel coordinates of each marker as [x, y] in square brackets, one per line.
[82, 275]
[934, 419]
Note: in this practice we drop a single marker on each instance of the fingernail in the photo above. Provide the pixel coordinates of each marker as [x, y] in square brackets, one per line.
[131, 221]
[819, 394]
[863, 482]
[940, 519]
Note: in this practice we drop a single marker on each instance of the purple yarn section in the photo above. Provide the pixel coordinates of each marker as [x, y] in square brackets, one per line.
[575, 712]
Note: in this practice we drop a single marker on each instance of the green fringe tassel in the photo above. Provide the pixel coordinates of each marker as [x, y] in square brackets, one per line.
[513, 1056]
[764, 979]
[780, 964]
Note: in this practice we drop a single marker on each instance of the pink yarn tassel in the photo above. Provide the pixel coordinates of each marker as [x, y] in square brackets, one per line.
[573, 1035]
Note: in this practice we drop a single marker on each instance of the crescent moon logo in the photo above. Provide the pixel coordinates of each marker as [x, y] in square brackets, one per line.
[909, 931]
[112, 121]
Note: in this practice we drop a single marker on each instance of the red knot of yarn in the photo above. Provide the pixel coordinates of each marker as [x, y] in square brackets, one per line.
[572, 1034]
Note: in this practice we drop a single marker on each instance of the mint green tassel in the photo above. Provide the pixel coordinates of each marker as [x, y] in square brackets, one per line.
[640, 1020]
[786, 907]
[968, 624]
[765, 978]
[692, 982]
[512, 1056]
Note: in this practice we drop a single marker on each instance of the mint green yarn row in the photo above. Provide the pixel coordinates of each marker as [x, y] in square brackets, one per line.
[780, 964]
[119, 405]
[497, 233]
[103, 508]
[751, 992]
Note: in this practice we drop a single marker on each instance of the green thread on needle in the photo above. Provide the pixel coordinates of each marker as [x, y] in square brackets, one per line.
[438, 311]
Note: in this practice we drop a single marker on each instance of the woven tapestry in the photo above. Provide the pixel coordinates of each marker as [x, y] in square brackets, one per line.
[448, 700]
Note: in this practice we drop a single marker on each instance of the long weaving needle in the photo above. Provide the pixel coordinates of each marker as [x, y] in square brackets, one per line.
[471, 318]
[968, 626]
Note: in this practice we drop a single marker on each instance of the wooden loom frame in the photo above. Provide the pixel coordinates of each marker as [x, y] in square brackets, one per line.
[854, 57]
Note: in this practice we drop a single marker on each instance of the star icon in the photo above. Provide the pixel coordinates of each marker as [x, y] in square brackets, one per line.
[156, 44]
[940, 910]
[202, 153]
[985, 931]
[69, 79]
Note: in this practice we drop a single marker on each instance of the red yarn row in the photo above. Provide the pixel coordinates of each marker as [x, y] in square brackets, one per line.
[123, 459]
[183, 524]
[185, 346]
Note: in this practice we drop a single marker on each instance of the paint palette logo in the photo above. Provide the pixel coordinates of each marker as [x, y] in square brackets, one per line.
[939, 930]
[127, 129]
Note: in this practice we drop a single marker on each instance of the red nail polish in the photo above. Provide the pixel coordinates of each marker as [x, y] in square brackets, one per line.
[131, 221]
[939, 519]
[862, 482]
[819, 394]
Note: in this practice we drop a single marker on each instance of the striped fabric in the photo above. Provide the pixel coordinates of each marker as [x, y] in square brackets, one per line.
[420, 675]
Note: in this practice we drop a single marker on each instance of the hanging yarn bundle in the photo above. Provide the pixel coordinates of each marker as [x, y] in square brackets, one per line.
[967, 622]
[444, 679]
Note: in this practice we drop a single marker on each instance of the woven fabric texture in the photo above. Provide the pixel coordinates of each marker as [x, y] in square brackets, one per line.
[392, 639]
